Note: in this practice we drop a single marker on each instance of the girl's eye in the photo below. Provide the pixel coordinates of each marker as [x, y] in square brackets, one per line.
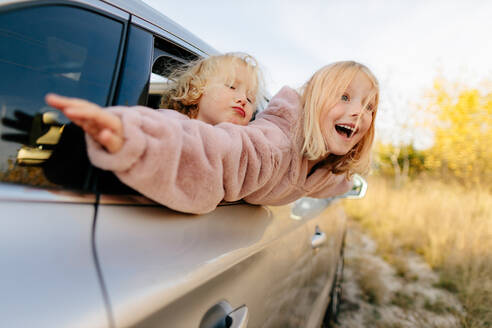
[370, 108]
[230, 87]
[345, 97]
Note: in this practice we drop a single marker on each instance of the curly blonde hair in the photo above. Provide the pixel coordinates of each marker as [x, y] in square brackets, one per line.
[186, 84]
[323, 91]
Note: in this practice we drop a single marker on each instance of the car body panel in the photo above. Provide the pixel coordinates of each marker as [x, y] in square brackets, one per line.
[48, 277]
[153, 258]
[332, 223]
[191, 251]
[161, 22]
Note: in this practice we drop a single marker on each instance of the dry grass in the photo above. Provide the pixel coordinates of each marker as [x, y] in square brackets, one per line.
[372, 284]
[377, 295]
[451, 227]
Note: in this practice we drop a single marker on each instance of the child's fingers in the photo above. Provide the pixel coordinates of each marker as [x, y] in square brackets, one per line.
[87, 111]
[87, 125]
[75, 108]
[111, 141]
[95, 114]
[58, 101]
[78, 110]
[105, 120]
[61, 102]
[90, 128]
[78, 122]
[104, 127]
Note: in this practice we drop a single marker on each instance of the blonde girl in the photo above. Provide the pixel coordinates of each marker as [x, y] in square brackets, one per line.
[341, 88]
[186, 85]
[305, 143]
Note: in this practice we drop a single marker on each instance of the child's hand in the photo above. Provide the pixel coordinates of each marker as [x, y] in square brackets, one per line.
[102, 126]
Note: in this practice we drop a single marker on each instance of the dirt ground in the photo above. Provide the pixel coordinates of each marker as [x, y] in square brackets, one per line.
[398, 292]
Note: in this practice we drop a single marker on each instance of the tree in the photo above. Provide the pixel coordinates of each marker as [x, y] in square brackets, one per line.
[463, 133]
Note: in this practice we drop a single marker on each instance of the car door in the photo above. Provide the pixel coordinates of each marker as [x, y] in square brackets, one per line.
[164, 268]
[326, 221]
[49, 275]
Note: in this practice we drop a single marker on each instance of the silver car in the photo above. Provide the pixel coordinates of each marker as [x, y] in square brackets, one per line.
[80, 249]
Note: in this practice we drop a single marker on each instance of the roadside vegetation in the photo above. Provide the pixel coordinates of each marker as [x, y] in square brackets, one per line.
[438, 203]
[450, 226]
[383, 294]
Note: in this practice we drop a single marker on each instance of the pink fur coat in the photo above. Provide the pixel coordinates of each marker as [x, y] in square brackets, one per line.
[192, 166]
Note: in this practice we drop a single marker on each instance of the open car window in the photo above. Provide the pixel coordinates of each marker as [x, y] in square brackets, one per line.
[166, 58]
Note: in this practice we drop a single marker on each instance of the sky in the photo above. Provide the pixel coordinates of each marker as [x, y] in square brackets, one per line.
[407, 44]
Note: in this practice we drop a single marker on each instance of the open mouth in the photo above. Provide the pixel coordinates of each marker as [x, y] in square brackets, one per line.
[345, 130]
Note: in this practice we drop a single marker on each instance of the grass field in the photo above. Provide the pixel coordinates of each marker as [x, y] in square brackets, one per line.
[450, 226]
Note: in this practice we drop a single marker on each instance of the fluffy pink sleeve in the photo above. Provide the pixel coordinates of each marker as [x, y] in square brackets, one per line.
[188, 165]
[340, 186]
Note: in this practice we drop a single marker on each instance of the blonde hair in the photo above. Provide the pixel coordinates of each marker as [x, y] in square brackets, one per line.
[186, 84]
[321, 93]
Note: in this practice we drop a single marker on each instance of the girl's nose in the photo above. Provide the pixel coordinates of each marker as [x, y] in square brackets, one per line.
[355, 109]
[241, 99]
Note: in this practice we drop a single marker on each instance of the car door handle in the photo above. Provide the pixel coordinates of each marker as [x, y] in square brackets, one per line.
[239, 317]
[318, 238]
[222, 315]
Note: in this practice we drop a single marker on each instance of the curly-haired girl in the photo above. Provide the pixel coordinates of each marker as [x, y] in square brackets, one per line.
[221, 79]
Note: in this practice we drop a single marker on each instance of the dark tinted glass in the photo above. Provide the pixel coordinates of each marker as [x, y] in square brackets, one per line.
[67, 50]
[135, 74]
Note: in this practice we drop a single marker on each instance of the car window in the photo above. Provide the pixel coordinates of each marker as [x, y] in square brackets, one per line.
[62, 49]
[148, 61]
[166, 58]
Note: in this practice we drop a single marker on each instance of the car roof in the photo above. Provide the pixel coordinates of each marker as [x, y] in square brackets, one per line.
[148, 14]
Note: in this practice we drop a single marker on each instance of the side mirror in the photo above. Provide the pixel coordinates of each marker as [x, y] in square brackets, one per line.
[307, 207]
[358, 189]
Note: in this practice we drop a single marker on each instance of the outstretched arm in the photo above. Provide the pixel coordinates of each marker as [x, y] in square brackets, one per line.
[185, 164]
[104, 127]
